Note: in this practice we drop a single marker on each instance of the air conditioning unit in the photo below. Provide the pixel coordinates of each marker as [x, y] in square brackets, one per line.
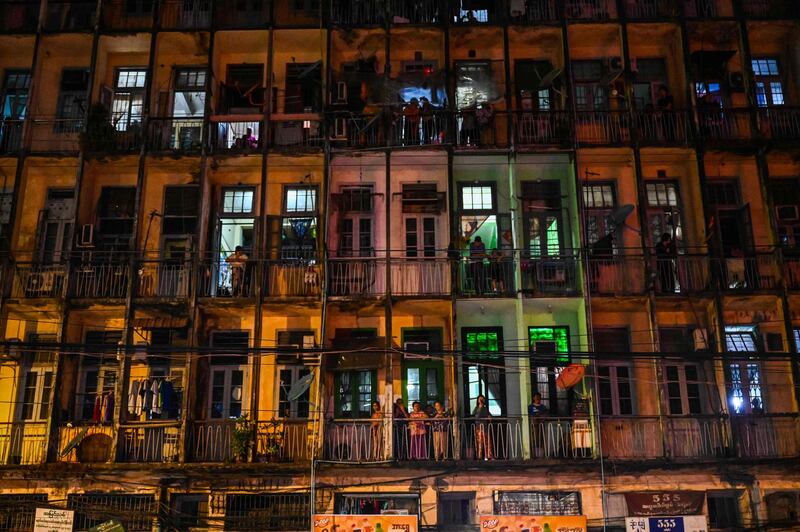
[340, 128]
[85, 238]
[39, 283]
[341, 92]
[787, 213]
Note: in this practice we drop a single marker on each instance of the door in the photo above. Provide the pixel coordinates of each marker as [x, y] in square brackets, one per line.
[735, 231]
[423, 383]
[528, 76]
[55, 230]
[228, 392]
[174, 272]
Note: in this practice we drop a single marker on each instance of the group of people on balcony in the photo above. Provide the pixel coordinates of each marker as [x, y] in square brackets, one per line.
[485, 277]
[421, 124]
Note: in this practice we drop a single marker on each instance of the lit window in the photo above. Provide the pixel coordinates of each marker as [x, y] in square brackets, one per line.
[740, 340]
[662, 194]
[130, 78]
[598, 196]
[765, 67]
[237, 201]
[744, 391]
[477, 198]
[301, 199]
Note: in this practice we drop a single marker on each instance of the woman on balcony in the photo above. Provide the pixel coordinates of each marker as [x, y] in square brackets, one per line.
[376, 428]
[440, 428]
[483, 446]
[419, 447]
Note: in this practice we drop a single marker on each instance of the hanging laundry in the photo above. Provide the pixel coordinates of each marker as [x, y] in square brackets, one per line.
[169, 400]
[97, 411]
[133, 396]
[108, 407]
[155, 407]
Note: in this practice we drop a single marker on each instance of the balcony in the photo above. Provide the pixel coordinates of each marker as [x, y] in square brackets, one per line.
[537, 12]
[100, 280]
[663, 128]
[419, 12]
[179, 135]
[476, 132]
[535, 129]
[725, 124]
[561, 439]
[23, 443]
[250, 14]
[691, 437]
[34, 281]
[277, 440]
[652, 9]
[428, 130]
[10, 136]
[300, 134]
[766, 436]
[707, 9]
[364, 13]
[791, 272]
[127, 15]
[780, 123]
[236, 137]
[631, 437]
[149, 442]
[357, 131]
[681, 275]
[770, 9]
[70, 16]
[602, 128]
[421, 277]
[747, 273]
[619, 275]
[357, 277]
[482, 278]
[186, 14]
[163, 279]
[292, 278]
[85, 444]
[590, 10]
[19, 17]
[550, 276]
[59, 135]
[227, 281]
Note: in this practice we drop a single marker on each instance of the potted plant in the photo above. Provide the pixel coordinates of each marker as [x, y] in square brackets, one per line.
[100, 132]
[242, 438]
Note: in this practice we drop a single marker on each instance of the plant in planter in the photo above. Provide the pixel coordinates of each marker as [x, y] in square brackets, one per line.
[242, 438]
[100, 132]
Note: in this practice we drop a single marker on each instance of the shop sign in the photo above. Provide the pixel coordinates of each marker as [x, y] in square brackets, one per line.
[365, 523]
[53, 520]
[533, 523]
[684, 523]
[654, 503]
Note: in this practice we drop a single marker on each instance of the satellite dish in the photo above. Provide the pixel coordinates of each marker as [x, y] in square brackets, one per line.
[611, 77]
[300, 387]
[619, 216]
[547, 81]
[570, 376]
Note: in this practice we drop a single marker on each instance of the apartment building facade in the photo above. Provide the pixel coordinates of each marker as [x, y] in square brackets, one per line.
[229, 229]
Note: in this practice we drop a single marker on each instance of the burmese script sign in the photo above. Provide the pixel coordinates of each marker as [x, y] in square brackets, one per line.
[655, 503]
[365, 523]
[684, 523]
[52, 520]
[533, 523]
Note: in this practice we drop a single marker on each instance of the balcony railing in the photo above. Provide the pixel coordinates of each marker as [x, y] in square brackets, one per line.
[19, 17]
[663, 128]
[170, 279]
[791, 273]
[696, 436]
[23, 443]
[477, 130]
[240, 136]
[242, 15]
[127, 15]
[493, 439]
[355, 440]
[560, 438]
[70, 16]
[780, 123]
[276, 440]
[683, 274]
[357, 277]
[725, 124]
[754, 272]
[707, 9]
[770, 9]
[592, 10]
[552, 275]
[617, 275]
[183, 135]
[186, 14]
[419, 12]
[631, 437]
[38, 281]
[55, 134]
[297, 134]
[100, 280]
[220, 279]
[537, 12]
[602, 127]
[430, 129]
[292, 279]
[351, 130]
[487, 278]
[421, 277]
[363, 13]
[10, 136]
[652, 9]
[149, 442]
[766, 436]
[84, 443]
[542, 128]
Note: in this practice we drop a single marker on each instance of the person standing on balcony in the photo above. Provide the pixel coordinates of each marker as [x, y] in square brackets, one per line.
[411, 114]
[483, 446]
[664, 105]
[498, 269]
[537, 409]
[485, 118]
[428, 121]
[477, 254]
[665, 257]
[419, 446]
[441, 428]
[400, 420]
[454, 258]
[238, 262]
[376, 428]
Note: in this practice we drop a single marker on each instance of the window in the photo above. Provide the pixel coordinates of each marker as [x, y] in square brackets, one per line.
[616, 389]
[228, 392]
[376, 504]
[723, 510]
[189, 511]
[126, 109]
[740, 339]
[683, 389]
[651, 73]
[482, 372]
[180, 210]
[243, 91]
[783, 508]
[599, 200]
[300, 200]
[549, 355]
[6, 200]
[611, 340]
[474, 83]
[538, 503]
[299, 408]
[478, 198]
[14, 101]
[355, 393]
[590, 93]
[420, 236]
[422, 198]
[266, 511]
[36, 387]
[769, 85]
[456, 509]
[237, 201]
[303, 88]
[356, 199]
[189, 99]
[785, 194]
[17, 512]
[299, 225]
[55, 229]
[705, 89]
[664, 210]
[745, 388]
[541, 202]
[135, 512]
[423, 378]
[98, 376]
[723, 193]
[72, 98]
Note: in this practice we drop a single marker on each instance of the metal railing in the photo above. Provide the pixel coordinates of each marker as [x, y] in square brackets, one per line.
[766, 436]
[663, 128]
[418, 12]
[10, 136]
[127, 15]
[149, 442]
[631, 437]
[560, 438]
[496, 438]
[240, 136]
[537, 11]
[38, 281]
[277, 440]
[19, 17]
[594, 10]
[362, 13]
[682, 274]
[357, 276]
[186, 14]
[99, 279]
[779, 123]
[55, 134]
[249, 14]
[420, 277]
[293, 278]
[169, 279]
[94, 443]
[725, 124]
[297, 134]
[355, 440]
[707, 9]
[696, 436]
[602, 127]
[617, 275]
[23, 443]
[771, 9]
[70, 16]
[754, 272]
[175, 134]
[424, 130]
[791, 273]
[220, 279]
[429, 439]
[652, 9]
[542, 128]
[487, 277]
[352, 130]
[474, 130]
[552, 275]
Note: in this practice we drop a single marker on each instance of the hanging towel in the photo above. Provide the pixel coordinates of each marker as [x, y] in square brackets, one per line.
[108, 408]
[97, 411]
[147, 396]
[156, 406]
[133, 396]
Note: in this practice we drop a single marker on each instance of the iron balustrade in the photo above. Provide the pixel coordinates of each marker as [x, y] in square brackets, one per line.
[617, 275]
[232, 136]
[177, 134]
[357, 276]
[296, 134]
[430, 439]
[38, 281]
[10, 136]
[707, 9]
[487, 277]
[55, 134]
[637, 437]
[149, 442]
[779, 123]
[663, 128]
[602, 127]
[725, 124]
[273, 440]
[770, 9]
[221, 279]
[169, 279]
[550, 275]
[496, 438]
[590, 10]
[697, 437]
[682, 274]
[19, 17]
[186, 14]
[652, 9]
[558, 438]
[420, 276]
[70, 16]
[427, 129]
[477, 129]
[361, 13]
[542, 128]
[356, 130]
[417, 12]
[536, 12]
[23, 443]
[94, 443]
[100, 279]
[127, 15]
[355, 440]
[766, 436]
[756, 271]
[247, 14]
[791, 272]
[292, 278]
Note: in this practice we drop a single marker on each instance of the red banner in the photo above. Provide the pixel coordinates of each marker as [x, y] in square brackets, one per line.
[653, 503]
[532, 523]
[365, 523]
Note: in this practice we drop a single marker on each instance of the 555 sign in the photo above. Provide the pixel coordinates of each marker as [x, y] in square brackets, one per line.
[686, 523]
